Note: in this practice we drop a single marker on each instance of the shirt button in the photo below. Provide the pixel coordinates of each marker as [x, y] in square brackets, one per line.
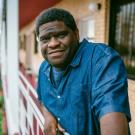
[58, 97]
[58, 119]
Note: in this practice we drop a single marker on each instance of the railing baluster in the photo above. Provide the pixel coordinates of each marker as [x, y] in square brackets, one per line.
[31, 118]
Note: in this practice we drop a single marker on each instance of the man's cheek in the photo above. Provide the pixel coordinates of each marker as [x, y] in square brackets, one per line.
[43, 53]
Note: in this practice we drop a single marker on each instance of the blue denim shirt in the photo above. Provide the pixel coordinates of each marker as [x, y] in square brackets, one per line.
[94, 84]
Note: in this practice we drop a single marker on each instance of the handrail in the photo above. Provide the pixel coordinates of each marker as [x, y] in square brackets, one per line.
[31, 118]
[24, 79]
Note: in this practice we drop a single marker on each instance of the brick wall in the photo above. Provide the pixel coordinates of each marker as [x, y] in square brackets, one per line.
[131, 85]
[80, 10]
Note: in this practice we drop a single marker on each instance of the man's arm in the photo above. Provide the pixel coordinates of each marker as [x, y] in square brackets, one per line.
[110, 92]
[114, 124]
[50, 124]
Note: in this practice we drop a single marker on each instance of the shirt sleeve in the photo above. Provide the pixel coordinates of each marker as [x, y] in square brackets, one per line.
[109, 83]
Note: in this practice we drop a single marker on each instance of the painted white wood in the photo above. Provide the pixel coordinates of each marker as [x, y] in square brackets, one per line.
[12, 106]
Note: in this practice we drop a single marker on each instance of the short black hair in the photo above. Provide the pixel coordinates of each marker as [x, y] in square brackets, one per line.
[55, 14]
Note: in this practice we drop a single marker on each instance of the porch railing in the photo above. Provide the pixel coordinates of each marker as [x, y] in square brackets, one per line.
[30, 117]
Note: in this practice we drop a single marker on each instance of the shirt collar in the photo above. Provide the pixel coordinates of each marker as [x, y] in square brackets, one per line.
[77, 58]
[47, 70]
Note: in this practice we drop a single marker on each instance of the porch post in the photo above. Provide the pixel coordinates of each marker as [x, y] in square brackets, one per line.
[12, 104]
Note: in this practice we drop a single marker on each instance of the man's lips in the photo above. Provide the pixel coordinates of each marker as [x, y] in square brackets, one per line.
[56, 53]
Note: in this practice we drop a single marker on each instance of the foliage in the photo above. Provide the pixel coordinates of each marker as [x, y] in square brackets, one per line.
[1, 102]
[0, 122]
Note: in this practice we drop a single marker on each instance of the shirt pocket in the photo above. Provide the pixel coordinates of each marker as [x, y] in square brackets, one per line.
[80, 98]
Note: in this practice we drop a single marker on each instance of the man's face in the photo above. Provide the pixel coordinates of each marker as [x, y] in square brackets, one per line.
[58, 43]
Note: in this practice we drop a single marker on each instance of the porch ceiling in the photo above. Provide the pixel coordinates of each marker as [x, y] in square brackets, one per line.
[29, 9]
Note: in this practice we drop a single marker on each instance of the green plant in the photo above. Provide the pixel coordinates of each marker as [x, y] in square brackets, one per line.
[0, 122]
[1, 101]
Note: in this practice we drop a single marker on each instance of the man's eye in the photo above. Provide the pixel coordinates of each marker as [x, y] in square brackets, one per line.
[44, 39]
[61, 35]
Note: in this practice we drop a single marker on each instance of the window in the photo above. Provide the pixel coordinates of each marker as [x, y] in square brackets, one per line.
[124, 35]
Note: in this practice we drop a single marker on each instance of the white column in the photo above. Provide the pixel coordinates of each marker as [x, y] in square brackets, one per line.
[1, 13]
[12, 108]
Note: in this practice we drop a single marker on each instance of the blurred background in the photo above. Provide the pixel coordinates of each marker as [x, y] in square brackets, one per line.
[108, 21]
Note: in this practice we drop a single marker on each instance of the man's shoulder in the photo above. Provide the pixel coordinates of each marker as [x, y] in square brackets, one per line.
[96, 48]
[86, 46]
[102, 49]
[98, 51]
[96, 45]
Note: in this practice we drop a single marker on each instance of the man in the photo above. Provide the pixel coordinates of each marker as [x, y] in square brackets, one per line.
[82, 86]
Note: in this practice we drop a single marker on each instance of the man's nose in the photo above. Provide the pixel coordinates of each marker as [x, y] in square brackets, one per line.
[53, 42]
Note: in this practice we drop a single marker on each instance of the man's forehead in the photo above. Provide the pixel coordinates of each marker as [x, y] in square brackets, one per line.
[49, 25]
